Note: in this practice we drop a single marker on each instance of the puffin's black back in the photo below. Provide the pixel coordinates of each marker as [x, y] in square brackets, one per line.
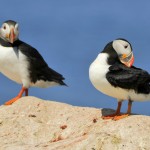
[38, 68]
[129, 78]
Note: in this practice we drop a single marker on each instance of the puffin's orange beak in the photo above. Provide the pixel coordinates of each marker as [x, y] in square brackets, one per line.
[12, 35]
[128, 60]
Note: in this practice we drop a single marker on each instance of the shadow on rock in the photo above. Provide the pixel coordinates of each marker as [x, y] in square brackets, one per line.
[107, 111]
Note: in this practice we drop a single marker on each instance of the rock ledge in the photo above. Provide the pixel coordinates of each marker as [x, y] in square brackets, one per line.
[35, 124]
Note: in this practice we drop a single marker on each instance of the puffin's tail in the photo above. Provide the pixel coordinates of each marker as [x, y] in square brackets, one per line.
[52, 75]
[62, 83]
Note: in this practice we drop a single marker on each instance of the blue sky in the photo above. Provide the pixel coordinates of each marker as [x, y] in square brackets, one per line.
[69, 34]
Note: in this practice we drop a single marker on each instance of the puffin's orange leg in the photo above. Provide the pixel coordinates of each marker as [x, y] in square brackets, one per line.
[18, 96]
[118, 117]
[111, 116]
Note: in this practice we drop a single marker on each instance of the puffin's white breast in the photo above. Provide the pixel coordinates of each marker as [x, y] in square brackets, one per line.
[97, 75]
[14, 65]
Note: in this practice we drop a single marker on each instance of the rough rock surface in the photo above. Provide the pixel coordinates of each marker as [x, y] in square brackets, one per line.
[35, 124]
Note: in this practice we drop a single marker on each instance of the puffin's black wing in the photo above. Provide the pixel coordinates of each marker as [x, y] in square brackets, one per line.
[129, 78]
[39, 70]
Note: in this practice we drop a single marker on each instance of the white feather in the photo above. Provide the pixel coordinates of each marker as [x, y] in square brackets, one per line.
[118, 46]
[44, 84]
[14, 65]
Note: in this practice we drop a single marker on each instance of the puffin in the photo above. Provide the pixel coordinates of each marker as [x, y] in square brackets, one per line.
[113, 74]
[22, 63]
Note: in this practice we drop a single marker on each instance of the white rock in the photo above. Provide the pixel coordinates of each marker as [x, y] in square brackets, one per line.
[35, 124]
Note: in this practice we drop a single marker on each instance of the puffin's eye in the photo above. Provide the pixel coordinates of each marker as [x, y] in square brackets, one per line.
[4, 27]
[125, 46]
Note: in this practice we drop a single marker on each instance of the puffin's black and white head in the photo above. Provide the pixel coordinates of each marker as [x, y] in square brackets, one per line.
[9, 31]
[124, 51]
[119, 50]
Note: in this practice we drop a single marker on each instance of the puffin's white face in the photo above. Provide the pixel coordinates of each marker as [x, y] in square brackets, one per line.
[9, 32]
[124, 51]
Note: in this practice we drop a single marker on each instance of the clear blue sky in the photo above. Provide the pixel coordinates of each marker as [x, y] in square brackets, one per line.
[69, 34]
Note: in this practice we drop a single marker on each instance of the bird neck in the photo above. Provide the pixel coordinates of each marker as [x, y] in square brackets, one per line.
[113, 58]
[112, 55]
[7, 44]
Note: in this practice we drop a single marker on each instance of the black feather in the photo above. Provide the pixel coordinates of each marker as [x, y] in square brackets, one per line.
[110, 50]
[129, 78]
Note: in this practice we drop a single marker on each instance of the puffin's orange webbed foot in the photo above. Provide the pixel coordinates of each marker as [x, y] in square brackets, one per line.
[115, 117]
[118, 117]
[111, 116]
